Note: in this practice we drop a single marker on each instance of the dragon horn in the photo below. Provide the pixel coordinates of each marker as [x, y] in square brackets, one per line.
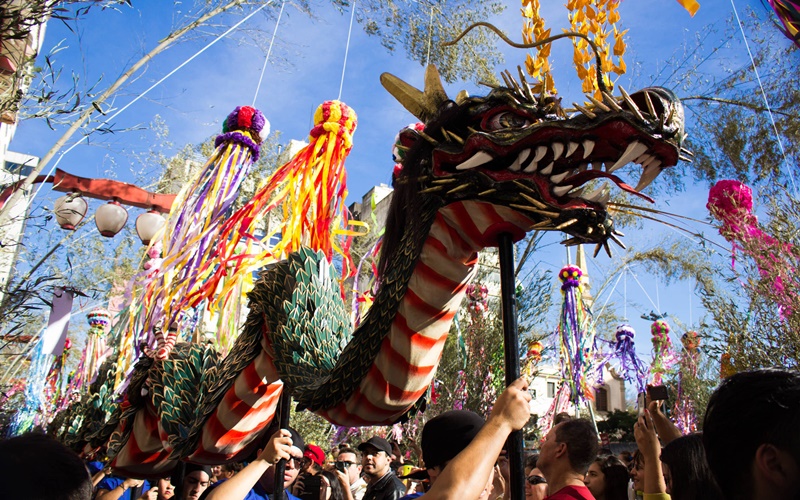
[423, 105]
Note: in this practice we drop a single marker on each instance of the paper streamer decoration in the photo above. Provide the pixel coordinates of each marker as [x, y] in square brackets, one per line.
[192, 232]
[57, 324]
[663, 354]
[576, 338]
[683, 414]
[788, 11]
[306, 195]
[630, 365]
[731, 202]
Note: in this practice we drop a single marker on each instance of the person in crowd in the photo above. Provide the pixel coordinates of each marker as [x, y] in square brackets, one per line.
[686, 472]
[114, 487]
[165, 489]
[331, 487]
[229, 470]
[680, 471]
[256, 481]
[349, 464]
[561, 417]
[535, 483]
[471, 470]
[637, 476]
[216, 473]
[37, 467]
[568, 451]
[626, 457]
[750, 435]
[196, 479]
[607, 479]
[382, 483]
[315, 459]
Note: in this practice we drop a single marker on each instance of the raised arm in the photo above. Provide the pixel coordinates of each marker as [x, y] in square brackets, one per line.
[237, 487]
[469, 471]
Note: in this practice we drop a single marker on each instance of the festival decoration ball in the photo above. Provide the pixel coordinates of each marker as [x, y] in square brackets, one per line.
[99, 317]
[249, 119]
[535, 349]
[659, 328]
[624, 333]
[570, 276]
[690, 340]
[730, 197]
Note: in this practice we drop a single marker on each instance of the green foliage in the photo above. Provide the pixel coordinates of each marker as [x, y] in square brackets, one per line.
[618, 425]
[420, 28]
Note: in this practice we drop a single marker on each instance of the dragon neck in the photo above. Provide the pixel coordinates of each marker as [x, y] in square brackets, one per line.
[399, 360]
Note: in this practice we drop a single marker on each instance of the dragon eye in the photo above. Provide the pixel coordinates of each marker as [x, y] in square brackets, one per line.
[508, 119]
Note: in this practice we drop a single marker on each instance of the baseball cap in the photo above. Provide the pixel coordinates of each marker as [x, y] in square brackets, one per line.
[446, 435]
[378, 443]
[314, 453]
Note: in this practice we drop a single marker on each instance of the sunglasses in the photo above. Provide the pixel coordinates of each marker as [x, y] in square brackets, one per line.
[343, 463]
[534, 480]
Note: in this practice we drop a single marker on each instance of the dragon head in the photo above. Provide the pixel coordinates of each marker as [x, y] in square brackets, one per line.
[523, 151]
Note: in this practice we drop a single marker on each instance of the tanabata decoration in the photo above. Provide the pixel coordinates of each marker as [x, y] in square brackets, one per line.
[731, 202]
[576, 337]
[663, 354]
[94, 353]
[788, 11]
[684, 414]
[532, 357]
[630, 365]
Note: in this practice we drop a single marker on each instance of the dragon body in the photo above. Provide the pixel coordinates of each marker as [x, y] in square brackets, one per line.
[508, 162]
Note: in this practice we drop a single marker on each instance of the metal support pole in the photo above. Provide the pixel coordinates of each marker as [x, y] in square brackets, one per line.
[283, 422]
[511, 345]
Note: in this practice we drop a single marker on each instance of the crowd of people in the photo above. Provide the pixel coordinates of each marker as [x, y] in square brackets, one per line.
[749, 449]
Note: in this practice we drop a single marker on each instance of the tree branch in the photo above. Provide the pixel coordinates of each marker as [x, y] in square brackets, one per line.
[752, 107]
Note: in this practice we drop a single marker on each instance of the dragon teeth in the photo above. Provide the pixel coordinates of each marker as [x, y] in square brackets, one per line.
[598, 193]
[547, 170]
[558, 178]
[478, 159]
[571, 149]
[577, 192]
[531, 168]
[517, 165]
[540, 152]
[558, 149]
[634, 150]
[562, 190]
[648, 176]
[588, 146]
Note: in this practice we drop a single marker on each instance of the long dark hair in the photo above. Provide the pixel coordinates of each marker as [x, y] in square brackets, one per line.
[616, 477]
[688, 468]
[337, 493]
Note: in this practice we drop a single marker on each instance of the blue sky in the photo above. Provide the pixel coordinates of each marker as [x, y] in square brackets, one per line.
[194, 101]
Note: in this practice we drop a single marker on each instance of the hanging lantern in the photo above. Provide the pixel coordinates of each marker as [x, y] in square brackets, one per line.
[70, 210]
[148, 224]
[110, 218]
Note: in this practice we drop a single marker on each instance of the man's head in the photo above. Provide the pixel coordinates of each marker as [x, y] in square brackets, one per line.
[571, 446]
[195, 481]
[349, 462]
[314, 456]
[376, 456]
[26, 460]
[750, 434]
[445, 436]
[292, 466]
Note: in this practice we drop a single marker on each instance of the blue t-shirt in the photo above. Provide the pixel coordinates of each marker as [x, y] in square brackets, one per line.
[257, 493]
[111, 482]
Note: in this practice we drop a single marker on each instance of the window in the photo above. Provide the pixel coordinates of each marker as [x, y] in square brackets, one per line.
[601, 399]
[551, 389]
